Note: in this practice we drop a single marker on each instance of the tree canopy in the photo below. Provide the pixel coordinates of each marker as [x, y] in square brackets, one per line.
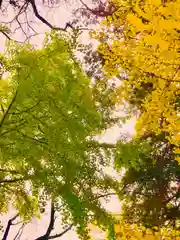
[150, 184]
[143, 48]
[49, 116]
[51, 113]
[139, 43]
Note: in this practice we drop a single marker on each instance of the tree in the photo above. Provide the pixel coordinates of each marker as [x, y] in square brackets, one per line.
[143, 51]
[49, 117]
[151, 191]
[139, 44]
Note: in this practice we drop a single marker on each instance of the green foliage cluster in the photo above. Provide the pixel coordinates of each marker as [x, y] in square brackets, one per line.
[150, 184]
[48, 119]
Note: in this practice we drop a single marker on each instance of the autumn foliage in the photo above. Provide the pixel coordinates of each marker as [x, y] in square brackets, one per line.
[143, 49]
[133, 232]
[140, 46]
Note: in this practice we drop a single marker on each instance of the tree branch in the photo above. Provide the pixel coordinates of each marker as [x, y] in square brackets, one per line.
[62, 233]
[172, 197]
[51, 224]
[5, 236]
[12, 180]
[8, 109]
[14, 128]
[5, 34]
[1, 3]
[105, 195]
[31, 138]
[97, 12]
[101, 145]
[19, 233]
[26, 110]
[52, 220]
[47, 236]
[35, 10]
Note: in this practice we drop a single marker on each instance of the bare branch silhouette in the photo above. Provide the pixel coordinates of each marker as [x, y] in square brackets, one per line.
[6, 233]
[20, 232]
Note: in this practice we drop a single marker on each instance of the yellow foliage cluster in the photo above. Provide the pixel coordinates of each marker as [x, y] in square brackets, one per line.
[144, 44]
[133, 232]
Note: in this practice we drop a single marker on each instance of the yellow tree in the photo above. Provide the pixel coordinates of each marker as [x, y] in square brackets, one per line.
[140, 43]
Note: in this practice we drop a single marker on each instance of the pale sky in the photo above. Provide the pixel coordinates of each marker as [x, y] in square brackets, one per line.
[59, 17]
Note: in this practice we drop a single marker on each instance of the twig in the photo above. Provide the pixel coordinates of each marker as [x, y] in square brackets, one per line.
[106, 195]
[14, 128]
[98, 12]
[31, 138]
[26, 110]
[62, 233]
[20, 231]
[5, 34]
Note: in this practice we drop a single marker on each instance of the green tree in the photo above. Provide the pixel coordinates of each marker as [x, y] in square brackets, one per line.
[151, 191]
[49, 116]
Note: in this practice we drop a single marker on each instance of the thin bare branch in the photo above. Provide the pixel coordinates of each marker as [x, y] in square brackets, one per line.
[19, 233]
[5, 34]
[35, 10]
[106, 195]
[62, 233]
[6, 233]
[96, 12]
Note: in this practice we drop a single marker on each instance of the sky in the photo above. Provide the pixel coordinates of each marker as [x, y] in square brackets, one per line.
[59, 17]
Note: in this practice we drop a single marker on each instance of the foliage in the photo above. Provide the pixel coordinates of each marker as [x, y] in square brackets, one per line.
[150, 184]
[140, 46]
[48, 119]
[133, 232]
[143, 49]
